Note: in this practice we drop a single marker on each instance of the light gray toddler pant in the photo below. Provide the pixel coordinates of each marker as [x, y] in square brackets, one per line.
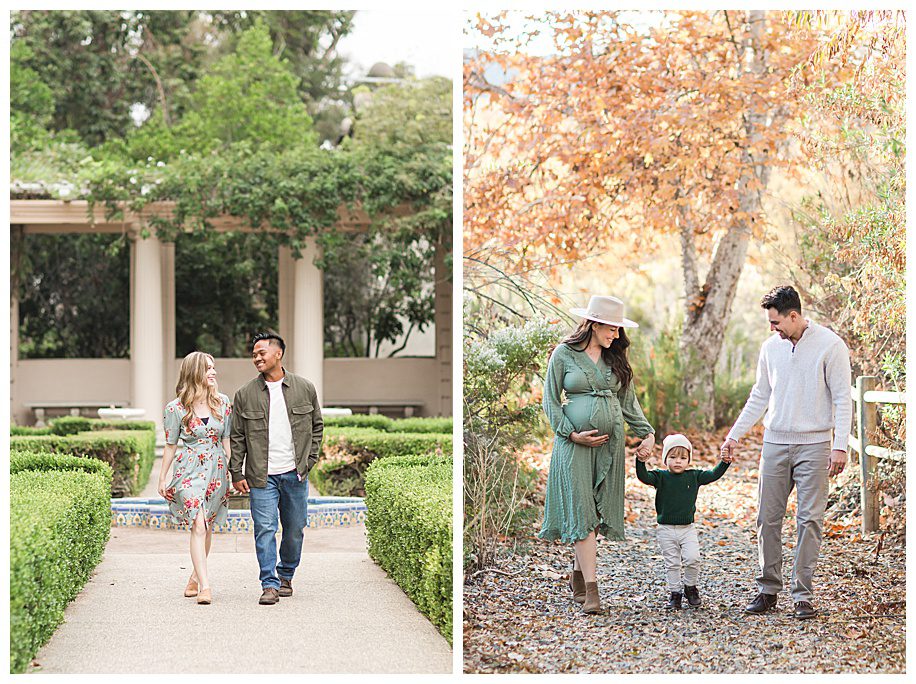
[680, 549]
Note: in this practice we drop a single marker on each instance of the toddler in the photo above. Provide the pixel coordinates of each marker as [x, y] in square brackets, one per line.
[675, 503]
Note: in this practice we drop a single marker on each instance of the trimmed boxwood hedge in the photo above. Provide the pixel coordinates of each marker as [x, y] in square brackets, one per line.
[44, 460]
[347, 452]
[100, 424]
[359, 420]
[59, 525]
[18, 430]
[409, 530]
[71, 425]
[130, 453]
[378, 422]
[437, 425]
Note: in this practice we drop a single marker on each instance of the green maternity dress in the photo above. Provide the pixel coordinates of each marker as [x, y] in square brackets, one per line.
[585, 484]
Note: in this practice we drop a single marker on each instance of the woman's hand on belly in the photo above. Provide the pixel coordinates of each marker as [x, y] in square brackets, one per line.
[589, 438]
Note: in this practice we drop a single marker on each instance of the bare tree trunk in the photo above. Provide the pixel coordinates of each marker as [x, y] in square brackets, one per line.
[707, 309]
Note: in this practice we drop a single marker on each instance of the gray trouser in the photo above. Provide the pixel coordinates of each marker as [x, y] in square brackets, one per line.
[782, 467]
[680, 548]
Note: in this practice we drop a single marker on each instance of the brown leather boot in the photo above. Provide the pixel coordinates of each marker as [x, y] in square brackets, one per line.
[577, 584]
[269, 597]
[592, 600]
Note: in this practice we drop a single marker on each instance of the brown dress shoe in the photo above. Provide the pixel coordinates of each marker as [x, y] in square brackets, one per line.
[761, 604]
[286, 587]
[804, 610]
[203, 596]
[191, 590]
[269, 597]
[592, 600]
[577, 584]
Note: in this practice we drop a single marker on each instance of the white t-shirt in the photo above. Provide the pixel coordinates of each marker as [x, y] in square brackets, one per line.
[281, 457]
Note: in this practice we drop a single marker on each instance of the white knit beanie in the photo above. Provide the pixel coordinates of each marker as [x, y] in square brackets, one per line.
[675, 440]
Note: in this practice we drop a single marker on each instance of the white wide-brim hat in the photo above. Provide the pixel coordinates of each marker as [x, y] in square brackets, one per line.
[607, 310]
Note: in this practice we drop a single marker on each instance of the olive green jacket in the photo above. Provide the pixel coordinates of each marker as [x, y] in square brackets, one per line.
[251, 417]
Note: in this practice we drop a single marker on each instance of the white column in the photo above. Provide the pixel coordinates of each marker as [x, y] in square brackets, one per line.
[17, 245]
[308, 317]
[443, 319]
[147, 329]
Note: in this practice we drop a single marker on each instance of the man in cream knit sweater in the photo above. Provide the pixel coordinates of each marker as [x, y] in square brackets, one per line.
[803, 387]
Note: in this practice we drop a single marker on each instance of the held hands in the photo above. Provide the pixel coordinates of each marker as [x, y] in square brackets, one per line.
[837, 462]
[727, 451]
[589, 438]
[644, 450]
[241, 486]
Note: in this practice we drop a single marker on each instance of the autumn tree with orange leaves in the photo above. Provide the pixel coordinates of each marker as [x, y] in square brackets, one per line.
[628, 132]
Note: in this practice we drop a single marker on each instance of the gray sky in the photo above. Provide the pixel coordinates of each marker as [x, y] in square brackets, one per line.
[428, 40]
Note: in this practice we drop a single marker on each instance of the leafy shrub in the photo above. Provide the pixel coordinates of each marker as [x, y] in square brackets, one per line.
[660, 379]
[70, 425]
[502, 413]
[409, 530]
[59, 525]
[43, 460]
[347, 452]
[130, 453]
[20, 430]
[432, 425]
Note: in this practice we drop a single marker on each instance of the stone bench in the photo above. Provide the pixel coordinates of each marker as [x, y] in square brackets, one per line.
[409, 408]
[74, 408]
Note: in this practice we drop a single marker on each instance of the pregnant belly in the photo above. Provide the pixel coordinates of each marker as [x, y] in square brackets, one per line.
[579, 411]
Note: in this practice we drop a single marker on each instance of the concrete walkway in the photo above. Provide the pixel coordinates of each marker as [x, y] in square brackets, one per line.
[346, 615]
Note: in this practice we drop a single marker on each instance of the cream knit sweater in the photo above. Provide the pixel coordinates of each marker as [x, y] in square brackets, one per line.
[805, 391]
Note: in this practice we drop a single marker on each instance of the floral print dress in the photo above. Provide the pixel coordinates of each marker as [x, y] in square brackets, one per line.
[200, 480]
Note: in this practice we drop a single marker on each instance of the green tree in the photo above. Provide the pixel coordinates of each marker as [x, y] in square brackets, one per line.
[413, 113]
[249, 95]
[73, 297]
[96, 65]
[380, 286]
[31, 102]
[307, 39]
[225, 292]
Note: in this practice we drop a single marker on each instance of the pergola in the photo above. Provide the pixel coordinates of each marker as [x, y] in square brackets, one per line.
[146, 380]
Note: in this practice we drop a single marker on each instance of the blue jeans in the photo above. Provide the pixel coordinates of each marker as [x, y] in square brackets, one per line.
[285, 494]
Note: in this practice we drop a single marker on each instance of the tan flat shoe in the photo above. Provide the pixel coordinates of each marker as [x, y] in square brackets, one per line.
[191, 590]
[203, 597]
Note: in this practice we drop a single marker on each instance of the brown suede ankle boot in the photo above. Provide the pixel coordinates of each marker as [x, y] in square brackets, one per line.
[577, 584]
[592, 600]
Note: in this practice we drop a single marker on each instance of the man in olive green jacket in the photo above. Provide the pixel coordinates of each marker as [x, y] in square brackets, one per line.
[276, 438]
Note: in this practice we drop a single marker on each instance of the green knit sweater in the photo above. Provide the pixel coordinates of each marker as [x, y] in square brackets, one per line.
[676, 493]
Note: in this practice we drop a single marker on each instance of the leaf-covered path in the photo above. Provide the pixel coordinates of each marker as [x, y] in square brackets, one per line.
[521, 617]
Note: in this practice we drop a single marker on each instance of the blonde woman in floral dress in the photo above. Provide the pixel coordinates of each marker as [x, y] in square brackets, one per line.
[198, 490]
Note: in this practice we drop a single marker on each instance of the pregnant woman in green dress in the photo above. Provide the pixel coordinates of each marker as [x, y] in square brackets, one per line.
[585, 483]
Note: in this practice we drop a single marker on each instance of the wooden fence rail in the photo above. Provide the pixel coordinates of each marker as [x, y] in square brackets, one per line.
[866, 400]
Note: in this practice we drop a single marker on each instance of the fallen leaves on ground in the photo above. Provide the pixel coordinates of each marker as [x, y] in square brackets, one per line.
[521, 618]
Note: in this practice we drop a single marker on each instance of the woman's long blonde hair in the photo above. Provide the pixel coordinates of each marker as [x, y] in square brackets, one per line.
[192, 384]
